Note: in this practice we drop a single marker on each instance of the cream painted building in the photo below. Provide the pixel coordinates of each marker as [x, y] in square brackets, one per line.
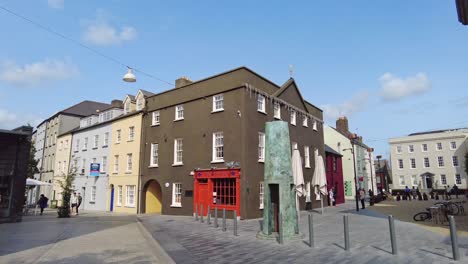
[124, 158]
[342, 145]
[62, 163]
[429, 160]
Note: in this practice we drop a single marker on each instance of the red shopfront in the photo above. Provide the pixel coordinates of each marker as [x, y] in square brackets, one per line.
[217, 188]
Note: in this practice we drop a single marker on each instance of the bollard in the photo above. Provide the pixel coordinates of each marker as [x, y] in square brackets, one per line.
[311, 232]
[235, 223]
[454, 238]
[346, 232]
[216, 217]
[391, 223]
[224, 219]
[208, 216]
[201, 213]
[196, 212]
[280, 228]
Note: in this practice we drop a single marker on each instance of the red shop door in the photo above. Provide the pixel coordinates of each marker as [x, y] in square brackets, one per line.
[204, 197]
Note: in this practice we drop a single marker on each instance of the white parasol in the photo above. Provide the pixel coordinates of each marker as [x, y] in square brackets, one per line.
[298, 177]
[319, 180]
[32, 182]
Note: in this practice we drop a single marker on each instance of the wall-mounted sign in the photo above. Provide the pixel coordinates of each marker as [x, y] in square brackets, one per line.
[94, 169]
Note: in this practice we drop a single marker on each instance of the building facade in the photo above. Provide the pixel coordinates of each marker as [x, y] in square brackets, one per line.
[125, 157]
[91, 154]
[220, 119]
[62, 163]
[334, 168]
[429, 160]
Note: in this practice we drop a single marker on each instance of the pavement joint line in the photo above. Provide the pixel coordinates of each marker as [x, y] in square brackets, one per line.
[161, 253]
[53, 244]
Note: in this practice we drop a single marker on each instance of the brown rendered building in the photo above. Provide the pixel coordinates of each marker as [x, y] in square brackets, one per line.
[207, 123]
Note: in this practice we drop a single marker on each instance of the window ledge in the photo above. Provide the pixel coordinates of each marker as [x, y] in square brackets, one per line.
[105, 146]
[307, 167]
[130, 206]
[95, 148]
[130, 140]
[176, 205]
[217, 111]
[153, 166]
[315, 129]
[293, 124]
[177, 164]
[115, 173]
[261, 161]
[117, 142]
[263, 112]
[277, 118]
[84, 149]
[305, 125]
[128, 172]
[155, 125]
[92, 202]
[175, 120]
[217, 161]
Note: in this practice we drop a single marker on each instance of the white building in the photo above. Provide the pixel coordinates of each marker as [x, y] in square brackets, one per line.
[91, 144]
[429, 160]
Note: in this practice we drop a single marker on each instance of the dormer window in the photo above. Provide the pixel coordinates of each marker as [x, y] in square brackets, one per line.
[140, 103]
[127, 108]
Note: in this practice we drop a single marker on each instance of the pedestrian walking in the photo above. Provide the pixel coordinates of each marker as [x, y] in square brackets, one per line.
[42, 202]
[79, 200]
[414, 193]
[74, 202]
[362, 196]
[407, 193]
[455, 190]
[331, 195]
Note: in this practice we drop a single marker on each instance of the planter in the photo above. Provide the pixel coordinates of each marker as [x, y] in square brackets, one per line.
[63, 212]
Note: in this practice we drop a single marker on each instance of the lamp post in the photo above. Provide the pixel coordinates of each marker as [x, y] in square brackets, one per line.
[352, 137]
[380, 172]
[370, 150]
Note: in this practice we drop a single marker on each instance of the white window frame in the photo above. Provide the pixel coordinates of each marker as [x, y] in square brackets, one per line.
[119, 195]
[451, 145]
[218, 103]
[293, 117]
[116, 163]
[93, 194]
[305, 121]
[96, 141]
[179, 112]
[459, 176]
[261, 147]
[402, 183]
[127, 107]
[104, 164]
[413, 179]
[401, 165]
[154, 156]
[307, 157]
[131, 133]
[156, 118]
[277, 110]
[455, 158]
[398, 149]
[440, 159]
[428, 164]
[441, 146]
[294, 146]
[218, 145]
[261, 104]
[129, 162]
[176, 190]
[106, 139]
[85, 145]
[261, 194]
[443, 179]
[410, 148]
[118, 136]
[422, 147]
[83, 165]
[178, 149]
[412, 162]
[139, 103]
[129, 195]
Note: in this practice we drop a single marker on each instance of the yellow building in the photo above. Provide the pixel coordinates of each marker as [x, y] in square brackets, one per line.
[124, 169]
[62, 163]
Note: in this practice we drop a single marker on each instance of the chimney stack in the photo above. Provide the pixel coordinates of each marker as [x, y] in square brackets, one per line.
[342, 125]
[117, 103]
[182, 81]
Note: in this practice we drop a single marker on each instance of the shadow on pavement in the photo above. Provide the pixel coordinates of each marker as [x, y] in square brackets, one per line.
[36, 231]
[435, 253]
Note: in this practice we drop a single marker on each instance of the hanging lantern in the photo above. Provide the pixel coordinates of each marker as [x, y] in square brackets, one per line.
[129, 76]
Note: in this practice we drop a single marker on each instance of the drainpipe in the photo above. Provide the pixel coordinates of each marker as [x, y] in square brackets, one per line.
[142, 159]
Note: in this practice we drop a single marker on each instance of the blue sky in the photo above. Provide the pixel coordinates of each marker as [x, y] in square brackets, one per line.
[392, 67]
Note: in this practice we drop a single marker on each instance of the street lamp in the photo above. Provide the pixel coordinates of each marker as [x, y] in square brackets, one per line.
[353, 137]
[382, 185]
[129, 76]
[370, 150]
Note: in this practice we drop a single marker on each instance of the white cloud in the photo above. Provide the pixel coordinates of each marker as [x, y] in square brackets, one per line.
[9, 120]
[57, 4]
[356, 104]
[37, 73]
[394, 88]
[100, 32]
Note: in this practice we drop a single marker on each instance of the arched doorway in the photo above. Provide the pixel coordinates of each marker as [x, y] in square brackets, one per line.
[153, 197]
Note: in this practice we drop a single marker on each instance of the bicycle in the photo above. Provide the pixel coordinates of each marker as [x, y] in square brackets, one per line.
[451, 207]
[423, 216]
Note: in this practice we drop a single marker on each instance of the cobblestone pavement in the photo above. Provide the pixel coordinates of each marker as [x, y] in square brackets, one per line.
[87, 238]
[187, 241]
[405, 210]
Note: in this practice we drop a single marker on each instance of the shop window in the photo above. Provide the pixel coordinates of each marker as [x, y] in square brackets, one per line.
[225, 190]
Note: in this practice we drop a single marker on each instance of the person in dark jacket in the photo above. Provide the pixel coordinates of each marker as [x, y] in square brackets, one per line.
[42, 202]
[455, 190]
